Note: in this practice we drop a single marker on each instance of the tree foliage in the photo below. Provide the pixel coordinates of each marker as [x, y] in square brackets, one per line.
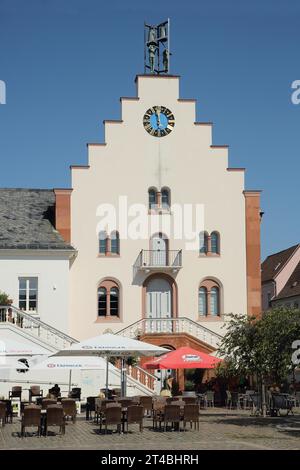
[261, 347]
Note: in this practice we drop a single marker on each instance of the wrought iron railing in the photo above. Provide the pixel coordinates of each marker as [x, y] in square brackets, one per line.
[159, 259]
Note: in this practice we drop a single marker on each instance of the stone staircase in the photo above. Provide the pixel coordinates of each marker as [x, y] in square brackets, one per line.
[148, 326]
[53, 340]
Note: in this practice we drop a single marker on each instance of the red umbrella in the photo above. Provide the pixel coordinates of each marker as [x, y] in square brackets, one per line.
[183, 358]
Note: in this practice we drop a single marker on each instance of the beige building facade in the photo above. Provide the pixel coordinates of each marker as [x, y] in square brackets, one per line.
[152, 277]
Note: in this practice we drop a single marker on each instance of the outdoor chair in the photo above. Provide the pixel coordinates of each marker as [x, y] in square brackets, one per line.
[16, 392]
[146, 402]
[189, 400]
[35, 391]
[157, 413]
[228, 400]
[210, 398]
[180, 403]
[69, 408]
[281, 402]
[55, 417]
[191, 414]
[124, 402]
[75, 393]
[297, 398]
[135, 415]
[9, 411]
[48, 401]
[31, 416]
[3, 413]
[172, 415]
[256, 403]
[112, 416]
[90, 407]
[136, 399]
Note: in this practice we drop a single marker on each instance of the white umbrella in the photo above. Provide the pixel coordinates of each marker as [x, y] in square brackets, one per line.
[9, 347]
[70, 363]
[112, 345]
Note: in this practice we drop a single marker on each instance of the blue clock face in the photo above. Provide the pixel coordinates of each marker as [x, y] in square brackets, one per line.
[159, 121]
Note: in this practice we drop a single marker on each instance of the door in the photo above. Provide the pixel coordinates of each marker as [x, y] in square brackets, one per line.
[159, 251]
[159, 299]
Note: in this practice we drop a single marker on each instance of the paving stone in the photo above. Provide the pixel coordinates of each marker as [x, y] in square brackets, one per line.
[219, 429]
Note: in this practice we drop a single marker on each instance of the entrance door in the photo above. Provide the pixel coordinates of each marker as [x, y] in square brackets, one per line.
[159, 299]
[159, 251]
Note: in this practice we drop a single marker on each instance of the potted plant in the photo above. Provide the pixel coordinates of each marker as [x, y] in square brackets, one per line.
[189, 388]
[4, 301]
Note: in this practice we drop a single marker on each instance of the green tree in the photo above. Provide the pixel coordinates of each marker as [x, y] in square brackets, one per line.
[261, 348]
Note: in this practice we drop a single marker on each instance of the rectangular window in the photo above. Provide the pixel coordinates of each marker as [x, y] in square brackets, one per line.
[28, 294]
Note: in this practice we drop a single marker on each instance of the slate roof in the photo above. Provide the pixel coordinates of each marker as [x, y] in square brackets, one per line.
[27, 220]
[292, 286]
[274, 263]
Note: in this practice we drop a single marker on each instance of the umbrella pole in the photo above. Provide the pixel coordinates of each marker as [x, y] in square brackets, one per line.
[123, 378]
[70, 380]
[106, 380]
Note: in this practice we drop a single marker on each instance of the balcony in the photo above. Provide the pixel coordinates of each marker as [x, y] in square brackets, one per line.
[159, 260]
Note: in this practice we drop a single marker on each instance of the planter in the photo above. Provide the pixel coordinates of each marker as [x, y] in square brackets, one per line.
[189, 393]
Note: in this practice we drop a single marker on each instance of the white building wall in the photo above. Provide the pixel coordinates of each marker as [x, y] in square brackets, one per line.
[53, 284]
[128, 165]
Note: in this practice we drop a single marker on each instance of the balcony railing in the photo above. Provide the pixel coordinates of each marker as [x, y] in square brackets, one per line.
[159, 259]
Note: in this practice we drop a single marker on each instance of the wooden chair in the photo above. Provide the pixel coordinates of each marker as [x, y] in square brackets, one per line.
[35, 391]
[48, 401]
[189, 400]
[31, 416]
[112, 416]
[55, 417]
[3, 413]
[191, 414]
[147, 402]
[16, 392]
[158, 413]
[172, 415]
[69, 408]
[124, 402]
[9, 411]
[135, 415]
[210, 398]
[90, 407]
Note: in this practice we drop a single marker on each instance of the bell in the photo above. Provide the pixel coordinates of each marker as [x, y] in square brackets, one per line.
[152, 35]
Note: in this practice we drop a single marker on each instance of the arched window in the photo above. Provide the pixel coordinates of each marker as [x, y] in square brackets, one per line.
[108, 299]
[209, 298]
[102, 302]
[215, 242]
[165, 198]
[115, 243]
[203, 242]
[214, 301]
[202, 301]
[102, 242]
[114, 301]
[152, 193]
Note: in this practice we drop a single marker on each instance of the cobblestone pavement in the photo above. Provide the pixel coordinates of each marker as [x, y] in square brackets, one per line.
[219, 429]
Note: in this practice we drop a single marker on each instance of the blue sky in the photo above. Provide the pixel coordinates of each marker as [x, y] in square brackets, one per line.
[67, 62]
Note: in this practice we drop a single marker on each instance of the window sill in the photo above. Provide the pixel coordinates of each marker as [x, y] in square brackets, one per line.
[108, 319]
[159, 211]
[209, 255]
[108, 255]
[210, 318]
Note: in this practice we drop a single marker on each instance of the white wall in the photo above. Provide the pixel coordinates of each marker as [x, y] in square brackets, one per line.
[129, 165]
[52, 272]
